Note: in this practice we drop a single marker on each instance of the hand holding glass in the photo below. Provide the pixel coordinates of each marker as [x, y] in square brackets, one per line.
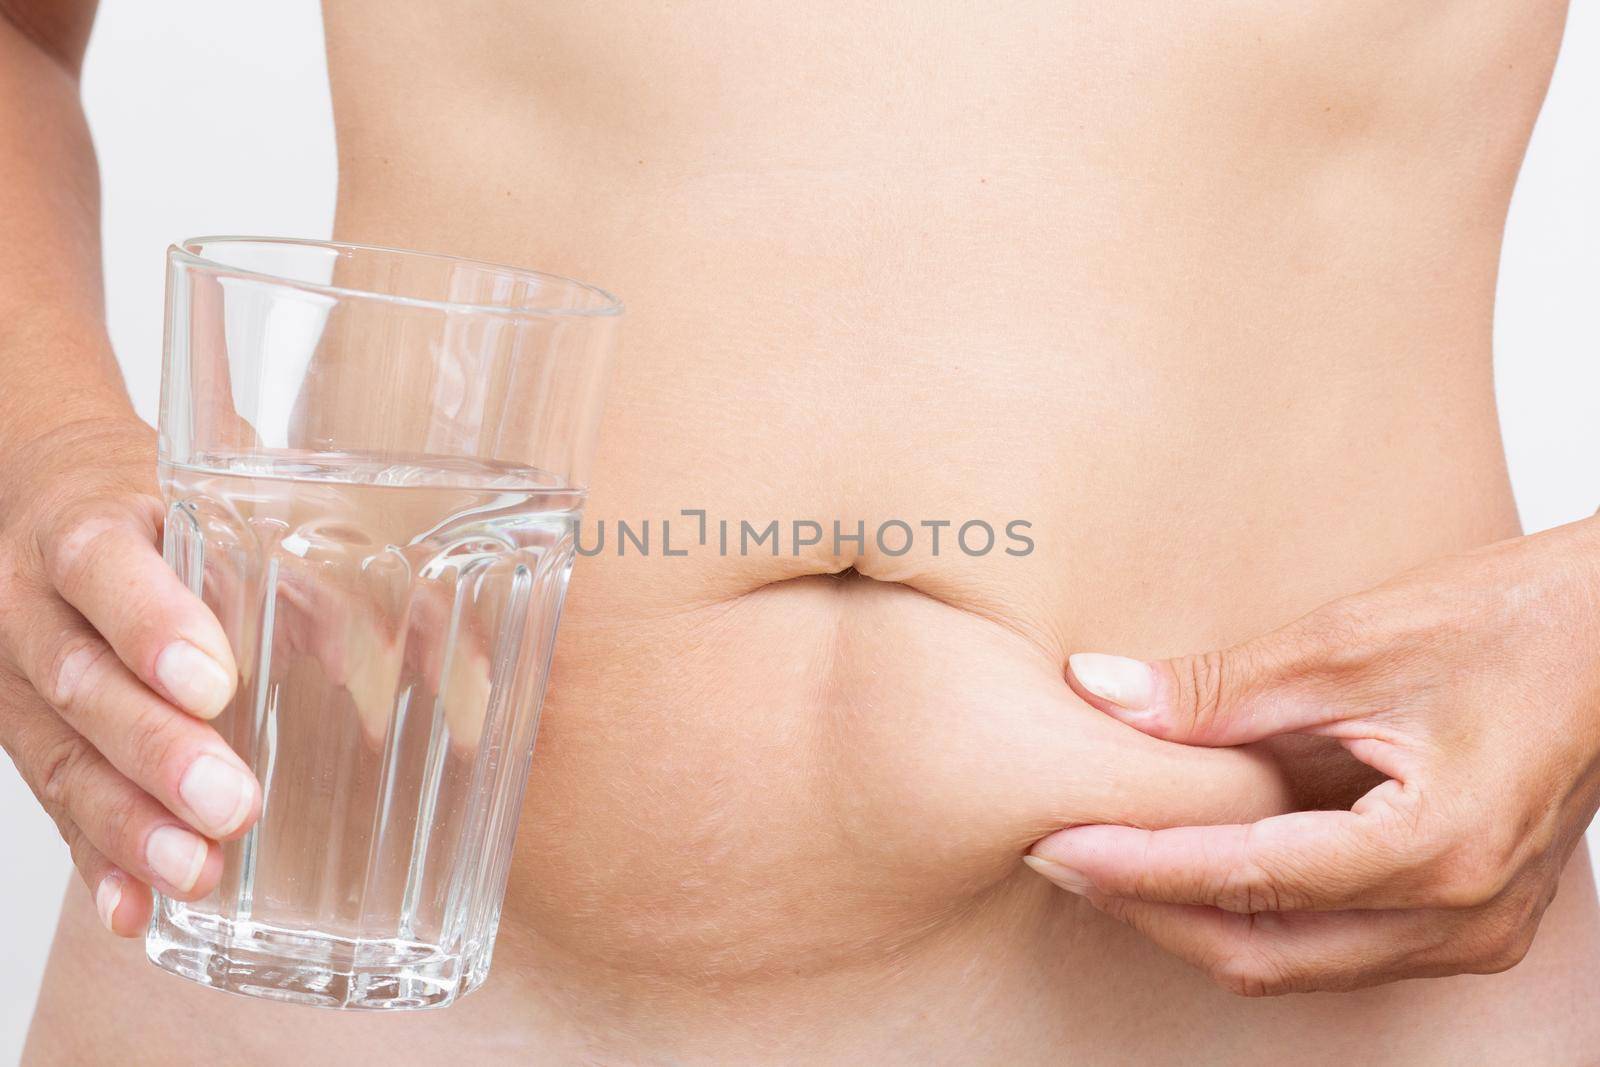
[374, 463]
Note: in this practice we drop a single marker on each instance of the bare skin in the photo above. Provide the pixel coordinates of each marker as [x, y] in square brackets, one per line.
[1202, 291]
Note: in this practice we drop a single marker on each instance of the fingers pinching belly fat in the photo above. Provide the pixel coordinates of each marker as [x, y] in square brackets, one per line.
[1136, 780]
[176, 759]
[965, 739]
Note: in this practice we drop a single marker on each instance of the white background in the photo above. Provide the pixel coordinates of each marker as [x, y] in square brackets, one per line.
[212, 116]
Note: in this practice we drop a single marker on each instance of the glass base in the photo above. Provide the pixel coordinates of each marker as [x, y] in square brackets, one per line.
[305, 967]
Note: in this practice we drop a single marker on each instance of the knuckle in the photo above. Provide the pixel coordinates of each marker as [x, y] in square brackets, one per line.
[66, 828]
[70, 547]
[1539, 839]
[1247, 974]
[1464, 894]
[59, 770]
[151, 741]
[1348, 624]
[120, 821]
[1249, 891]
[1503, 952]
[1505, 933]
[1470, 877]
[1203, 681]
[71, 669]
[1347, 643]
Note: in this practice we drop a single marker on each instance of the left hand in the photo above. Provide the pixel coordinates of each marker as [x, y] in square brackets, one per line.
[1472, 684]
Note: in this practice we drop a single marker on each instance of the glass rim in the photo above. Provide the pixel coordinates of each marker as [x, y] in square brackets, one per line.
[185, 251]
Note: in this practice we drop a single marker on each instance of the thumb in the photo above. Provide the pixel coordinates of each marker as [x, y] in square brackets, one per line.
[1232, 697]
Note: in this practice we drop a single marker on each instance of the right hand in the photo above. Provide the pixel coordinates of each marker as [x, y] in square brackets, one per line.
[108, 665]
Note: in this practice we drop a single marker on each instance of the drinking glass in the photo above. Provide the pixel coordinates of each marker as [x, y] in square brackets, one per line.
[373, 463]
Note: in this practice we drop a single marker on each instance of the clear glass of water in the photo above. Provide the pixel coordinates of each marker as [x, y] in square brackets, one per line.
[373, 463]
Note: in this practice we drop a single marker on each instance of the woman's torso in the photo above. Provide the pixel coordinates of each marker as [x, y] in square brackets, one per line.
[1201, 293]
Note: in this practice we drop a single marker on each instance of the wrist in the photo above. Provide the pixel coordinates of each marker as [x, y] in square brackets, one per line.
[57, 377]
[87, 445]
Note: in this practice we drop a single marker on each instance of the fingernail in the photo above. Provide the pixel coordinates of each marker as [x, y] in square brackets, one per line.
[176, 855]
[219, 794]
[106, 899]
[1065, 877]
[196, 681]
[1127, 683]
